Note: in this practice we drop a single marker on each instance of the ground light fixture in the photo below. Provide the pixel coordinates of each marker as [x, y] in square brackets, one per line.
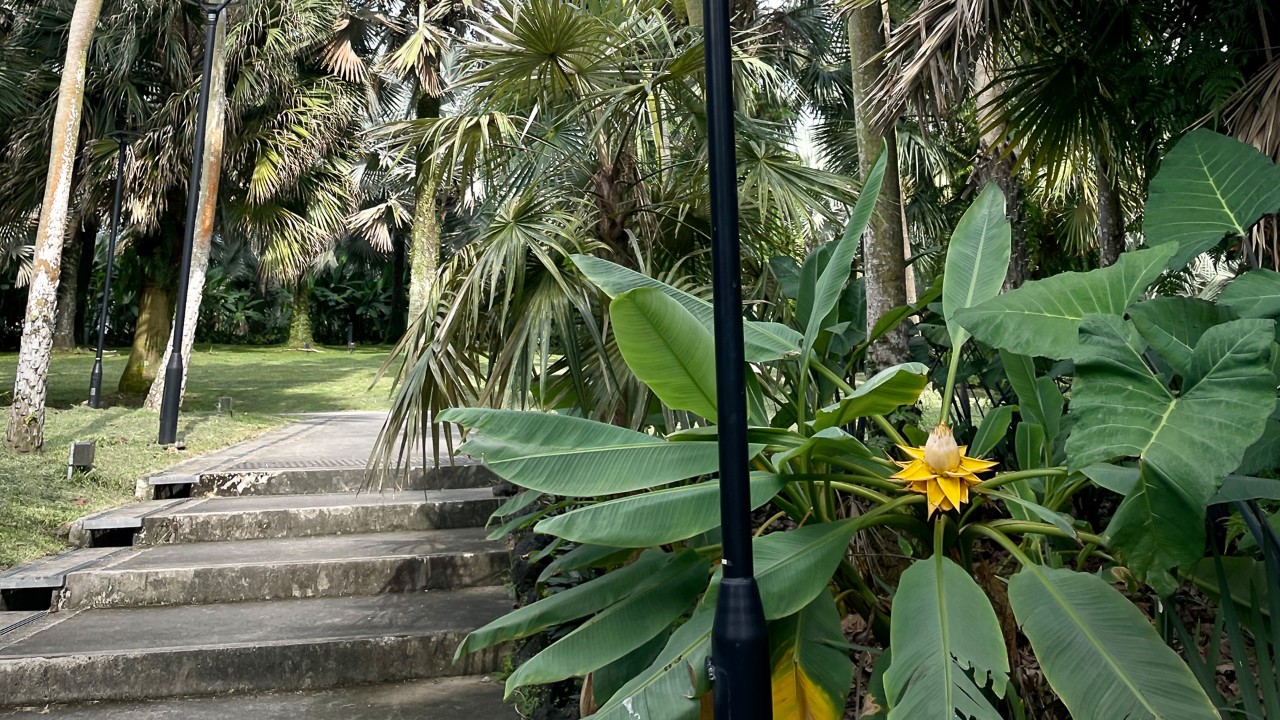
[739, 663]
[174, 370]
[122, 139]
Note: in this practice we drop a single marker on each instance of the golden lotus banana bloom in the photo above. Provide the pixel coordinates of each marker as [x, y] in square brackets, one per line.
[940, 470]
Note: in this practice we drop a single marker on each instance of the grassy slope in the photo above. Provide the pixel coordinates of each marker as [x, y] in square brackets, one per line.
[35, 495]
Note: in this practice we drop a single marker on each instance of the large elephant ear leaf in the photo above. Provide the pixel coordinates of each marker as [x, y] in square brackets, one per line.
[811, 670]
[947, 646]
[667, 349]
[669, 687]
[1100, 653]
[1209, 186]
[1042, 318]
[1188, 440]
[977, 258]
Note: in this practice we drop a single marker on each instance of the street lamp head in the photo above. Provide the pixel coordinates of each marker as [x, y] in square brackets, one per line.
[123, 137]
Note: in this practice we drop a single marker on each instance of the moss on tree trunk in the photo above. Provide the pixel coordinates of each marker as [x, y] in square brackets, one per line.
[155, 312]
[300, 318]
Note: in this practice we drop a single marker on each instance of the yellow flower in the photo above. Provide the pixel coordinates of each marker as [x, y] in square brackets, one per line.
[941, 471]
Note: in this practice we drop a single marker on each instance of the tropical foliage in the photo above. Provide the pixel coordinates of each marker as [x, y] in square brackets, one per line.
[1170, 407]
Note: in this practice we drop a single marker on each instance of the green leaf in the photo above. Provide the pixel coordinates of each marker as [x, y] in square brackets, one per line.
[836, 273]
[1117, 479]
[621, 627]
[882, 393]
[654, 518]
[1240, 487]
[586, 556]
[571, 604]
[1039, 397]
[1208, 186]
[977, 258]
[1187, 442]
[1100, 653]
[793, 567]
[1255, 294]
[667, 349]
[1042, 317]
[668, 688]
[811, 673]
[764, 341]
[947, 646]
[609, 679]
[992, 430]
[1062, 521]
[569, 456]
[1173, 326]
[787, 271]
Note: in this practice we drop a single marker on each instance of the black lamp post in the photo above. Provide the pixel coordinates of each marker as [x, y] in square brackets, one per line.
[122, 139]
[739, 637]
[173, 372]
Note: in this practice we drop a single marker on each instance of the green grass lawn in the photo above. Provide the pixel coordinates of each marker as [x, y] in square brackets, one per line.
[264, 383]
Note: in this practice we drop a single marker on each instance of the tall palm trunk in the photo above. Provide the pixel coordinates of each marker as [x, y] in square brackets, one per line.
[25, 431]
[202, 243]
[995, 163]
[424, 236]
[64, 318]
[155, 308]
[300, 319]
[88, 249]
[1110, 217]
[884, 260]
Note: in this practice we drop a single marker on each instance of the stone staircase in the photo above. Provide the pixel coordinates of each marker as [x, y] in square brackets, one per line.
[277, 578]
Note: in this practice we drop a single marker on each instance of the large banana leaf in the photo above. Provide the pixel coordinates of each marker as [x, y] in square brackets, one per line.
[1039, 398]
[1208, 186]
[763, 341]
[1042, 318]
[1100, 653]
[574, 457]
[1190, 440]
[977, 258]
[621, 627]
[947, 646]
[1255, 294]
[566, 605]
[667, 349]
[793, 567]
[882, 393]
[832, 280]
[668, 688]
[654, 518]
[811, 670]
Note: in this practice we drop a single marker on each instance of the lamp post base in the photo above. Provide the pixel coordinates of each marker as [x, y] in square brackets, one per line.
[95, 384]
[172, 398]
[740, 653]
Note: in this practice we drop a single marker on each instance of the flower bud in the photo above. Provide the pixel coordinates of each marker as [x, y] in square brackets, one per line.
[940, 450]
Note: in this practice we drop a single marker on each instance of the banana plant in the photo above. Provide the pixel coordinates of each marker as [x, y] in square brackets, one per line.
[643, 505]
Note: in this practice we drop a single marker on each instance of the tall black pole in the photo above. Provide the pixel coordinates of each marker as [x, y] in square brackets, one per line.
[174, 371]
[95, 377]
[739, 637]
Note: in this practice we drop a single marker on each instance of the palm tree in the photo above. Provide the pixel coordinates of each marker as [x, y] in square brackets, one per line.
[578, 129]
[25, 431]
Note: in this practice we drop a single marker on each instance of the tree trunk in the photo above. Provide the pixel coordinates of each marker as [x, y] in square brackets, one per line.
[1110, 217]
[397, 322]
[25, 431]
[884, 264]
[995, 164]
[154, 312]
[84, 276]
[424, 235]
[300, 321]
[64, 319]
[206, 214]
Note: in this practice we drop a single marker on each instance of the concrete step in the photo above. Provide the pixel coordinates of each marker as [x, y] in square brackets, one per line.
[286, 645]
[31, 586]
[325, 566]
[285, 516]
[438, 699]
[307, 477]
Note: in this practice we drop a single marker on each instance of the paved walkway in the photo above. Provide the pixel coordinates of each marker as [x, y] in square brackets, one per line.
[262, 583]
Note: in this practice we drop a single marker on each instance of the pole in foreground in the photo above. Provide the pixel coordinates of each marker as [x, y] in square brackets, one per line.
[95, 377]
[174, 371]
[739, 638]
